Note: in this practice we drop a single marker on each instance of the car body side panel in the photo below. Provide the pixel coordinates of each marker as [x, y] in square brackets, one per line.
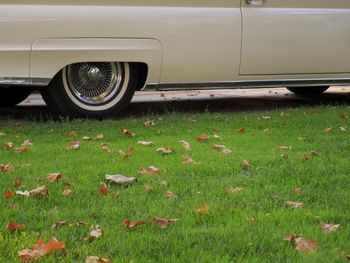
[200, 39]
[296, 37]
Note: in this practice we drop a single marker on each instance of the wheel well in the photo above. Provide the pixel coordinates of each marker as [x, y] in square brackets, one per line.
[142, 70]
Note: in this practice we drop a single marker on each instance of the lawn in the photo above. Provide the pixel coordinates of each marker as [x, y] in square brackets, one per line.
[230, 206]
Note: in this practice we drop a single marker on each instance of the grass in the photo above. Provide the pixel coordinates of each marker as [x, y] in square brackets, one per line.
[245, 227]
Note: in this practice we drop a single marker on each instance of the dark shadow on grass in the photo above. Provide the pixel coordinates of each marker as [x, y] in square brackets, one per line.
[192, 106]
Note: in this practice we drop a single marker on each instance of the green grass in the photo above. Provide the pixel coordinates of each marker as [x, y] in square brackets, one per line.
[245, 227]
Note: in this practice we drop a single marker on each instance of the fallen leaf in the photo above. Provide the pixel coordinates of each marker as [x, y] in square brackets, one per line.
[189, 160]
[215, 136]
[234, 190]
[103, 189]
[72, 133]
[329, 228]
[145, 143]
[315, 154]
[283, 148]
[127, 155]
[149, 170]
[23, 193]
[67, 192]
[266, 130]
[203, 209]
[86, 138]
[126, 132]
[296, 190]
[27, 143]
[40, 191]
[74, 145]
[69, 184]
[9, 194]
[246, 164]
[18, 184]
[164, 222]
[328, 129]
[53, 177]
[93, 259]
[41, 249]
[295, 204]
[343, 115]
[21, 150]
[6, 168]
[54, 246]
[131, 225]
[347, 257]
[169, 194]
[266, 117]
[100, 136]
[222, 148]
[8, 145]
[304, 245]
[149, 123]
[121, 179]
[149, 188]
[13, 227]
[96, 233]
[165, 151]
[59, 224]
[291, 236]
[186, 145]
[202, 138]
[343, 128]
[301, 138]
[106, 149]
[241, 130]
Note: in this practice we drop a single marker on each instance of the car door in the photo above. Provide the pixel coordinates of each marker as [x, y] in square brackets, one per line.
[295, 37]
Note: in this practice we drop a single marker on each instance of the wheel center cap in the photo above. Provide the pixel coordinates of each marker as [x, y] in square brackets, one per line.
[93, 74]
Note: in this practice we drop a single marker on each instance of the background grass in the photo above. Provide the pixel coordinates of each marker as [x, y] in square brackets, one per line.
[245, 227]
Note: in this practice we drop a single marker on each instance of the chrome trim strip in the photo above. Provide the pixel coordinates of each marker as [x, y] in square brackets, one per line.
[251, 84]
[9, 81]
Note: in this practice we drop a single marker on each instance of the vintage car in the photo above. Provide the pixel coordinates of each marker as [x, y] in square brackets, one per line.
[89, 57]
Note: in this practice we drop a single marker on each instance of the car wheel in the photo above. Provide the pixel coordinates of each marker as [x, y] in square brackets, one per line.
[91, 89]
[307, 91]
[11, 96]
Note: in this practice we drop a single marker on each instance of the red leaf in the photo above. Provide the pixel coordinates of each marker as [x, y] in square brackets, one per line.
[9, 194]
[103, 189]
[203, 138]
[6, 168]
[12, 226]
[126, 132]
[131, 225]
[164, 222]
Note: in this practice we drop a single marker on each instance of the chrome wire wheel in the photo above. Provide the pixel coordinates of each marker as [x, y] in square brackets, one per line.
[94, 83]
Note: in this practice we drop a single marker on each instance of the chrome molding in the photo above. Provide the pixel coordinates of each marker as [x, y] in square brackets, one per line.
[251, 84]
[5, 81]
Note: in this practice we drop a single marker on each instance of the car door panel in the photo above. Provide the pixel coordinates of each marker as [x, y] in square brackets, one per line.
[295, 37]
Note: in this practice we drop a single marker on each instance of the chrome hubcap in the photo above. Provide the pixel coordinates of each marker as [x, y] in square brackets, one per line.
[96, 82]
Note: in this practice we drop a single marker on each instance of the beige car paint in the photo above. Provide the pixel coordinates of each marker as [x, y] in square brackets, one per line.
[195, 41]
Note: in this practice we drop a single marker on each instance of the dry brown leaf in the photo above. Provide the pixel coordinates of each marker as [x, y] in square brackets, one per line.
[126, 132]
[59, 224]
[290, 237]
[163, 222]
[295, 204]
[41, 249]
[9, 194]
[222, 148]
[6, 168]
[18, 184]
[234, 190]
[169, 194]
[343, 115]
[72, 133]
[149, 170]
[347, 257]
[328, 129]
[203, 209]
[67, 193]
[8, 145]
[304, 245]
[27, 143]
[329, 228]
[203, 138]
[106, 149]
[189, 160]
[121, 179]
[97, 232]
[74, 145]
[53, 177]
[131, 225]
[127, 155]
[165, 151]
[246, 164]
[145, 143]
[149, 188]
[13, 227]
[40, 191]
[100, 136]
[186, 145]
[241, 130]
[296, 190]
[315, 154]
[283, 148]
[149, 123]
[103, 189]
[93, 259]
[21, 150]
